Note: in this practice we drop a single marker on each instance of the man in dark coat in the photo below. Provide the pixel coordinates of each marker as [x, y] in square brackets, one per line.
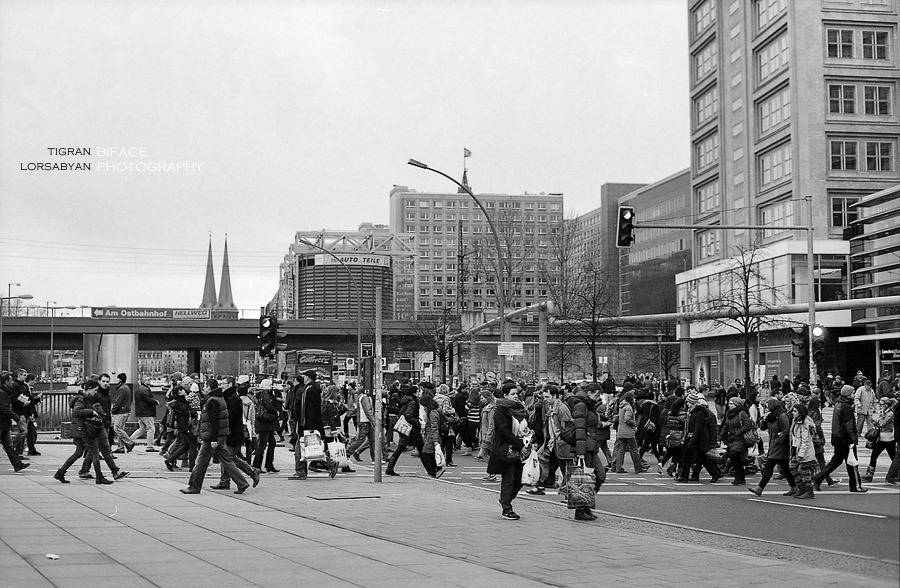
[145, 411]
[844, 436]
[307, 410]
[503, 460]
[235, 439]
[7, 415]
[121, 410]
[214, 429]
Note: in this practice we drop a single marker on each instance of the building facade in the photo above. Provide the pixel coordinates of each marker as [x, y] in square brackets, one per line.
[794, 118]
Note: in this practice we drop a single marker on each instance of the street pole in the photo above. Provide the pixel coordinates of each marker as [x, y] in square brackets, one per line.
[811, 291]
[501, 289]
[376, 384]
[9, 298]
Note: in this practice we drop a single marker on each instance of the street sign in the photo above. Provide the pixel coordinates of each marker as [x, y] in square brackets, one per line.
[350, 362]
[509, 349]
[152, 313]
[383, 363]
[367, 350]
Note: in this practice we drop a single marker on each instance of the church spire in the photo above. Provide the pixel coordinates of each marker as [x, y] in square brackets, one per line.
[225, 298]
[209, 289]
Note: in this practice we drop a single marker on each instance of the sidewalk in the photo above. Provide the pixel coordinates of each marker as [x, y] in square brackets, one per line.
[348, 531]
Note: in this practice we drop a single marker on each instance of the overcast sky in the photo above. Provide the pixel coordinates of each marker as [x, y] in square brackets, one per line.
[300, 116]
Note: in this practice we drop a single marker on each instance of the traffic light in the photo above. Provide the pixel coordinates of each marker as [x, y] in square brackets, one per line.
[625, 231]
[818, 343]
[271, 339]
[800, 343]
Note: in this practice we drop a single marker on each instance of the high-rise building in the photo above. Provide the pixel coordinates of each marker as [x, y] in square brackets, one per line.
[455, 250]
[794, 117]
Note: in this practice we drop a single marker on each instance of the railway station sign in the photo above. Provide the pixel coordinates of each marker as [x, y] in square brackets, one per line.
[151, 313]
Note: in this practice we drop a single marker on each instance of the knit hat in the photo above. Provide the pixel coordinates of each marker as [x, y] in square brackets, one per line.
[803, 391]
[847, 390]
[195, 387]
[628, 386]
[802, 410]
[734, 402]
[773, 404]
[690, 399]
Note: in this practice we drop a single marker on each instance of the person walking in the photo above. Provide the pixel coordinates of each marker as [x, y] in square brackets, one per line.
[505, 453]
[865, 404]
[266, 424]
[626, 436]
[145, 411]
[586, 421]
[235, 438]
[185, 438]
[803, 430]
[844, 437]
[778, 427]
[8, 416]
[409, 411]
[736, 424]
[307, 411]
[121, 410]
[430, 434]
[885, 440]
[214, 429]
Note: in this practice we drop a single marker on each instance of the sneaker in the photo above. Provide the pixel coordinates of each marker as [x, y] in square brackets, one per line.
[535, 492]
[479, 458]
[35, 452]
[465, 453]
[451, 465]
[86, 476]
[491, 479]
[834, 481]
[439, 473]
[510, 516]
[121, 474]
[892, 482]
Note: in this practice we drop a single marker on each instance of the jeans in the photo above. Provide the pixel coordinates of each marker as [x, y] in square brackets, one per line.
[221, 452]
[83, 445]
[118, 421]
[267, 446]
[11, 453]
[692, 461]
[841, 453]
[365, 432]
[621, 446]
[235, 452]
[100, 448]
[510, 483]
[184, 443]
[770, 467]
[863, 419]
[18, 439]
[413, 440]
[146, 425]
[737, 462]
[893, 473]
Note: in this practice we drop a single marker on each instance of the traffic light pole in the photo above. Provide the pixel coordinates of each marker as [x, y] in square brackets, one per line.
[810, 263]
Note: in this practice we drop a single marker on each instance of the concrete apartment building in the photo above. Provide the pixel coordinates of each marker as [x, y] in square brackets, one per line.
[790, 100]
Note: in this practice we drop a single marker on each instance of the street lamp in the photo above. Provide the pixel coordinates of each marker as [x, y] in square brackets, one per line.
[659, 338]
[2, 298]
[501, 290]
[355, 287]
[52, 310]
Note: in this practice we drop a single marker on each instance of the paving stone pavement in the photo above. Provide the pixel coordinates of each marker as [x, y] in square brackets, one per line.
[343, 532]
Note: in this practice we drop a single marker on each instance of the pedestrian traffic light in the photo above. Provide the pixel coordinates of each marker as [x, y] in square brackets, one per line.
[800, 343]
[271, 339]
[625, 231]
[818, 343]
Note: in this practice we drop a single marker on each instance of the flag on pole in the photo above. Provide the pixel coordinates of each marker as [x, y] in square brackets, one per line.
[466, 152]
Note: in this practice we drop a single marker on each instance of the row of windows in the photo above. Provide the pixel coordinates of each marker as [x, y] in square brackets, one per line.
[438, 216]
[775, 166]
[844, 156]
[657, 251]
[858, 44]
[464, 205]
[843, 99]
[773, 58]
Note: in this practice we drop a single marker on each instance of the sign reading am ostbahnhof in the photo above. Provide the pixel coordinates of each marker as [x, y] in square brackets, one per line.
[152, 313]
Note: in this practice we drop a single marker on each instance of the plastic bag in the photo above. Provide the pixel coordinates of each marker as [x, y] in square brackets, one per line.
[531, 471]
[852, 460]
[313, 448]
[580, 491]
[439, 456]
[338, 453]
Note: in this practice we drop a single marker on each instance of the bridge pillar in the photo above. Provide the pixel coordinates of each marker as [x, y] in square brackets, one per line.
[193, 361]
[112, 354]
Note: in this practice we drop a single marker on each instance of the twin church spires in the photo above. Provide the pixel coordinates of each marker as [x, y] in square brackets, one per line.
[222, 306]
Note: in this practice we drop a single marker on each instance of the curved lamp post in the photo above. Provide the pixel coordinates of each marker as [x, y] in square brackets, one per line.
[2, 299]
[358, 296]
[501, 289]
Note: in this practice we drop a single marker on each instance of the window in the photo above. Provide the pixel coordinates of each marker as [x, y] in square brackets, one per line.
[708, 197]
[774, 111]
[843, 155]
[840, 43]
[423, 216]
[767, 11]
[773, 58]
[451, 204]
[438, 216]
[710, 244]
[410, 216]
[775, 165]
[705, 61]
[410, 204]
[704, 16]
[841, 212]
[707, 106]
[879, 155]
[875, 44]
[841, 99]
[780, 213]
[438, 204]
[708, 151]
[877, 100]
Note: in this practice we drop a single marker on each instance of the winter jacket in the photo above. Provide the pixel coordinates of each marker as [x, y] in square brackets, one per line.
[266, 405]
[430, 434]
[737, 422]
[233, 404]
[697, 435]
[80, 411]
[123, 400]
[627, 423]
[778, 426]
[248, 406]
[409, 409]
[486, 431]
[864, 400]
[7, 414]
[843, 423]
[504, 438]
[802, 434]
[181, 412]
[586, 422]
[144, 402]
[649, 414]
[886, 424]
[20, 398]
[214, 417]
[312, 420]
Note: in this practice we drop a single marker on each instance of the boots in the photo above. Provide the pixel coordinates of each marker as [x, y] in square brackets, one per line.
[870, 473]
[804, 490]
[756, 490]
[794, 490]
[61, 476]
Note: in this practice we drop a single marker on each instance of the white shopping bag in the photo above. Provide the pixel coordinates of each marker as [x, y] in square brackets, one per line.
[439, 456]
[338, 453]
[531, 471]
[313, 448]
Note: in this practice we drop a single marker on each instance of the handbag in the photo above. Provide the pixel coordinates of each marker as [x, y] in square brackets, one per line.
[580, 491]
[674, 440]
[402, 426]
[531, 471]
[92, 428]
[872, 434]
[439, 457]
[751, 437]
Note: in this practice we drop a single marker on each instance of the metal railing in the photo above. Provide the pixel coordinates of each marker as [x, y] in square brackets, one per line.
[53, 410]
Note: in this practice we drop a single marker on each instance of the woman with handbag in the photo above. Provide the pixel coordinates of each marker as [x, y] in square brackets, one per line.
[778, 427]
[505, 453]
[409, 427]
[675, 423]
[431, 439]
[803, 429]
[266, 424]
[737, 425]
[884, 436]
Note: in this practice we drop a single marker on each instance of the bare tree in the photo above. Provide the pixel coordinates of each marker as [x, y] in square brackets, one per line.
[744, 284]
[435, 331]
